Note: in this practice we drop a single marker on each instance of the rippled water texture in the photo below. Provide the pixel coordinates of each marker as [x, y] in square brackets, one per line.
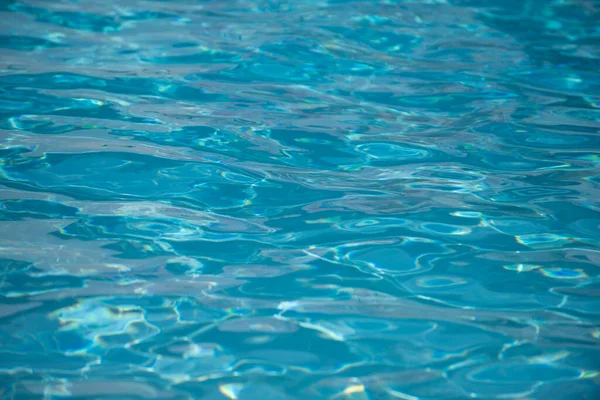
[313, 199]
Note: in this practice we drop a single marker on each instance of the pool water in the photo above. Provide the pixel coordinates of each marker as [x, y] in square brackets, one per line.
[308, 199]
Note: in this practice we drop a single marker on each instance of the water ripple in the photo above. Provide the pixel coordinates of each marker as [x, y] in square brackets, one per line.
[264, 199]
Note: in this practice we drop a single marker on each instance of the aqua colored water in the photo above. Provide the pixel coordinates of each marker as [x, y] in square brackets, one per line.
[313, 199]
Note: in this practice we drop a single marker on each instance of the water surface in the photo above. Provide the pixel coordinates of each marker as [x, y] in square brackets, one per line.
[300, 200]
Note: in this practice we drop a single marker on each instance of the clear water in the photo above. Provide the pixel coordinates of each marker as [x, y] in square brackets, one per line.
[300, 200]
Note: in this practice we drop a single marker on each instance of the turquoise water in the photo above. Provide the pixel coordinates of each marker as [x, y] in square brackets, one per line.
[317, 199]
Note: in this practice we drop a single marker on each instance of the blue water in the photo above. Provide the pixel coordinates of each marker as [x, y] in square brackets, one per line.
[308, 199]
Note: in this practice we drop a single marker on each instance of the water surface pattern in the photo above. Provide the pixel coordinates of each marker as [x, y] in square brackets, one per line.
[308, 199]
